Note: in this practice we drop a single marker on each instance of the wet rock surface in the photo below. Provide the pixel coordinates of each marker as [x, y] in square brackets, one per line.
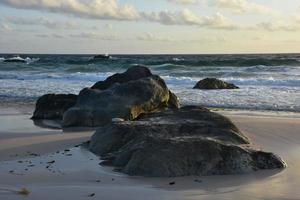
[122, 95]
[186, 141]
[53, 106]
[133, 73]
[127, 101]
[214, 84]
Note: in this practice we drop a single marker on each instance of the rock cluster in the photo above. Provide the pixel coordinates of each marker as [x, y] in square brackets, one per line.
[125, 95]
[142, 130]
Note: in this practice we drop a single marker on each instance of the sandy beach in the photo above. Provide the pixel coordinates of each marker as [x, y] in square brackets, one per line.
[149, 100]
[50, 165]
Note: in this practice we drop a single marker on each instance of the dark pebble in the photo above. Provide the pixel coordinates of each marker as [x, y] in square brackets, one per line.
[91, 195]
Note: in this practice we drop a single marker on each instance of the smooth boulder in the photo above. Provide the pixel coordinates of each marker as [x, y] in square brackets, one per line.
[131, 74]
[53, 106]
[181, 142]
[214, 84]
[127, 101]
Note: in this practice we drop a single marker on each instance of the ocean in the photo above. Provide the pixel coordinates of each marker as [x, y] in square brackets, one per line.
[267, 82]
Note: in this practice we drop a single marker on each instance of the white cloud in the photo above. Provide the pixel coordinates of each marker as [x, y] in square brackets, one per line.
[55, 35]
[108, 27]
[152, 37]
[184, 1]
[111, 10]
[52, 24]
[42, 35]
[186, 17]
[278, 26]
[96, 9]
[292, 24]
[95, 35]
[243, 6]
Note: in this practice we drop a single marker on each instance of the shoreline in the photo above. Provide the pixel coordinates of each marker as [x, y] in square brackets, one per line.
[76, 172]
[28, 109]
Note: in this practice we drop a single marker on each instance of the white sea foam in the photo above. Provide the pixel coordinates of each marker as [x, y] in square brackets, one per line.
[178, 59]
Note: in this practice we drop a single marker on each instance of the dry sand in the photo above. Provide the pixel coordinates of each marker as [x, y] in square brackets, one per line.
[76, 173]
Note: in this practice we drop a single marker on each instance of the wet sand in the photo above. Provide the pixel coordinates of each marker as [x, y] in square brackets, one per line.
[76, 173]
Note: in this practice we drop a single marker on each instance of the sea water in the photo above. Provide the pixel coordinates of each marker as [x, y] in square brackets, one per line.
[268, 81]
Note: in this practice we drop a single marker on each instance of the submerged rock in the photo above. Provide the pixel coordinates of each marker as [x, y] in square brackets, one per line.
[127, 101]
[214, 84]
[53, 106]
[181, 142]
[102, 56]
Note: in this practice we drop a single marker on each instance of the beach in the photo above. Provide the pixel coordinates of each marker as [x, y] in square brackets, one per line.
[51, 165]
[149, 100]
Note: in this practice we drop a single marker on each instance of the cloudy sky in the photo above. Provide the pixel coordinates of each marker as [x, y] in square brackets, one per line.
[156, 26]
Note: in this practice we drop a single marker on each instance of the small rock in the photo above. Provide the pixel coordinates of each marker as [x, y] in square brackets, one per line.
[91, 195]
[214, 84]
[23, 191]
[172, 183]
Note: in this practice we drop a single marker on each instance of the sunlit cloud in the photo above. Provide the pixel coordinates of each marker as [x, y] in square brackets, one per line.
[42, 21]
[243, 7]
[152, 37]
[109, 9]
[95, 9]
[94, 35]
[185, 2]
[186, 17]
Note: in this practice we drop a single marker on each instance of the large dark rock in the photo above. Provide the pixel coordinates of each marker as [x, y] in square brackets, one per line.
[214, 84]
[173, 101]
[128, 100]
[133, 73]
[53, 106]
[124, 95]
[186, 141]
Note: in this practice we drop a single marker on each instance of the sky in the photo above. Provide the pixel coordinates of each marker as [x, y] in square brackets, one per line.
[149, 27]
